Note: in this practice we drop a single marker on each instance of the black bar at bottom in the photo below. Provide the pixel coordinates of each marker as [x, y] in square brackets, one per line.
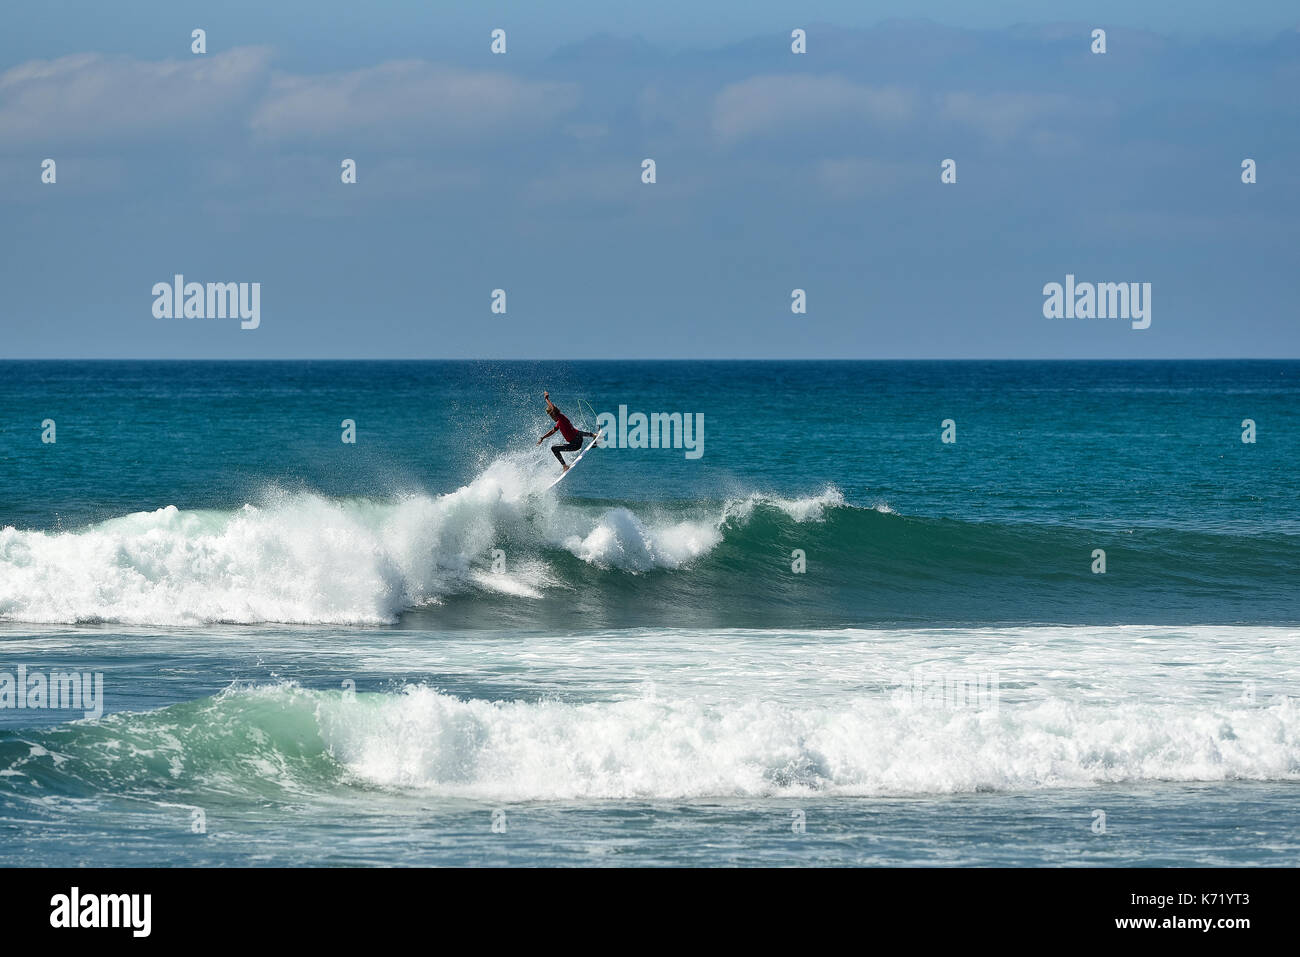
[550, 907]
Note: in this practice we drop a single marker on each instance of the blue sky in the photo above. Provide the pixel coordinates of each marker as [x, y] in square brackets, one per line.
[775, 172]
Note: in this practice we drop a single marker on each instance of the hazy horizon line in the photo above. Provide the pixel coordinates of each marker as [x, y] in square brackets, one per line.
[657, 359]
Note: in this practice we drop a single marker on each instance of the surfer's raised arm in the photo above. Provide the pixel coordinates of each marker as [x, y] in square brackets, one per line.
[553, 412]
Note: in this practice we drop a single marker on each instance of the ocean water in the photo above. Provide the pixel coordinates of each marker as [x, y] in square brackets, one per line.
[831, 638]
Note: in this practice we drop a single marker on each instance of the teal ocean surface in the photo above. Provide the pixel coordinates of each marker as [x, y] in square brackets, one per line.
[406, 650]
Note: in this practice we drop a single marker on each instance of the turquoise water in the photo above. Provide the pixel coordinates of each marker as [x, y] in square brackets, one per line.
[357, 653]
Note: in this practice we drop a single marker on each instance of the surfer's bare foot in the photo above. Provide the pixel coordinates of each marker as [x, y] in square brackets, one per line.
[565, 469]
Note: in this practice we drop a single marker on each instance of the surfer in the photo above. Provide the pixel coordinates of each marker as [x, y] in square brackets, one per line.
[572, 436]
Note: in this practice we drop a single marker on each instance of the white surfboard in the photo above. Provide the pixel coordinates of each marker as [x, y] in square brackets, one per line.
[575, 461]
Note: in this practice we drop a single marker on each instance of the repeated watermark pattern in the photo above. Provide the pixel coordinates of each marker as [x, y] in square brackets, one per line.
[55, 691]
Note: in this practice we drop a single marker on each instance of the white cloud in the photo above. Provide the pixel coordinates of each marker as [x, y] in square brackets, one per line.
[89, 97]
[773, 104]
[409, 97]
[92, 98]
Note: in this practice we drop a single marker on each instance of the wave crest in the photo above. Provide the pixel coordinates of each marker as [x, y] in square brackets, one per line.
[301, 558]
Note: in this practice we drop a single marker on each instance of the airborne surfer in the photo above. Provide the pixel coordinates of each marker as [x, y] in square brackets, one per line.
[572, 436]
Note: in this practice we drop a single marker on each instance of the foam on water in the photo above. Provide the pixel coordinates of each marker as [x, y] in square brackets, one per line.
[811, 509]
[303, 558]
[652, 747]
[675, 748]
[622, 540]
